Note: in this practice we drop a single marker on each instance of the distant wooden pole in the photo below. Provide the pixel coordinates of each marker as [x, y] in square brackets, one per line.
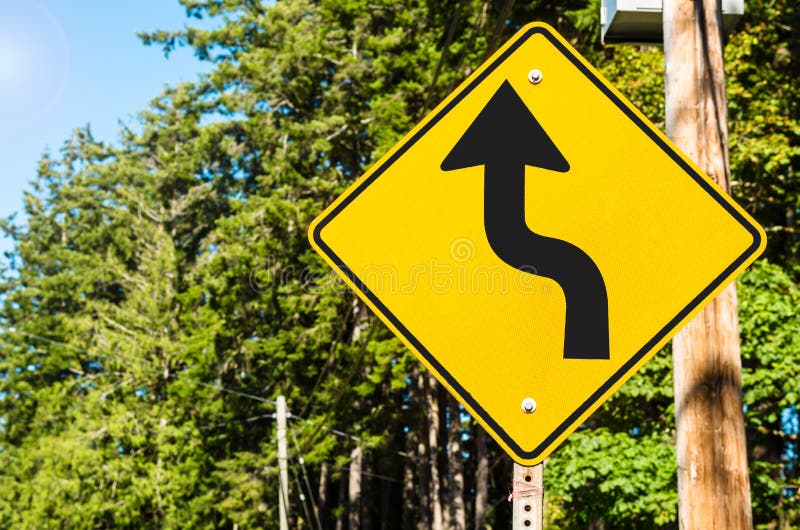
[527, 495]
[713, 484]
[283, 469]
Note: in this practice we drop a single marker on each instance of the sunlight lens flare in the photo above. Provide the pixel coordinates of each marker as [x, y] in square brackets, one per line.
[34, 63]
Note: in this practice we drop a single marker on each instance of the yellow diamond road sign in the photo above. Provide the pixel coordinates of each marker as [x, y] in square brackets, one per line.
[534, 240]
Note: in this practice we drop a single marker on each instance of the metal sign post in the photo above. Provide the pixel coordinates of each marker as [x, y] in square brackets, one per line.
[526, 496]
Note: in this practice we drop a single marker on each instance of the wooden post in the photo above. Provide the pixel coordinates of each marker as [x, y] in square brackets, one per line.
[527, 495]
[283, 469]
[713, 484]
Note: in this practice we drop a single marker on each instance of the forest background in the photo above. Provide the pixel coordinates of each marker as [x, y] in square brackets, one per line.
[162, 293]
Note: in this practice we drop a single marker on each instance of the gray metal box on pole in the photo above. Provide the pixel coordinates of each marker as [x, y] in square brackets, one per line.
[640, 21]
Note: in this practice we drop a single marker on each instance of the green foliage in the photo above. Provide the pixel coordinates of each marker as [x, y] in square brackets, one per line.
[764, 114]
[770, 328]
[613, 478]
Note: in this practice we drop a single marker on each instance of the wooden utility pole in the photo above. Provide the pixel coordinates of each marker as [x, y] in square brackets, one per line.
[527, 495]
[713, 484]
[283, 469]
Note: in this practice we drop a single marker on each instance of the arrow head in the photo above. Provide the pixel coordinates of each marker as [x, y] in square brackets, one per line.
[505, 131]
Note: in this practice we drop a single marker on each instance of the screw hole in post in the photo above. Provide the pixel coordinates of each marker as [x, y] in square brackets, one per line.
[528, 507]
[528, 478]
[527, 522]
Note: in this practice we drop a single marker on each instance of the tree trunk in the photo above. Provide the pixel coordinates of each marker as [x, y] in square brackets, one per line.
[481, 477]
[408, 488]
[790, 237]
[432, 402]
[360, 320]
[340, 513]
[385, 491]
[354, 505]
[597, 524]
[443, 456]
[322, 495]
[367, 490]
[354, 490]
[423, 458]
[456, 467]
[410, 500]
[713, 484]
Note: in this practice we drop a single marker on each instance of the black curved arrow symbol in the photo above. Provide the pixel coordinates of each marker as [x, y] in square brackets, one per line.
[506, 137]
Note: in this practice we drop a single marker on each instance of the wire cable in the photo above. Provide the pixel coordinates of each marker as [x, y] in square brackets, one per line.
[302, 498]
[341, 434]
[228, 390]
[283, 492]
[301, 461]
[231, 391]
[373, 475]
[128, 357]
[235, 420]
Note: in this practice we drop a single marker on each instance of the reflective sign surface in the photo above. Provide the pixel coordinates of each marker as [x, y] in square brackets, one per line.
[535, 240]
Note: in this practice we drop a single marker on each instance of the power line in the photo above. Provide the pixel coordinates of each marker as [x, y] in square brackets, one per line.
[342, 434]
[373, 475]
[331, 430]
[228, 390]
[302, 497]
[242, 420]
[216, 386]
[301, 461]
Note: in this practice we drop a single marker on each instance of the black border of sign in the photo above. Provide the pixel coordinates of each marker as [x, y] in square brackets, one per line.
[625, 368]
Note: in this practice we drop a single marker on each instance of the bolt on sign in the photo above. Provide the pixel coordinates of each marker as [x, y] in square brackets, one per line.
[534, 241]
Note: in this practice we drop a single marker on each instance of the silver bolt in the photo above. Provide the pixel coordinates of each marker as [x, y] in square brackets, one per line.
[528, 405]
[535, 76]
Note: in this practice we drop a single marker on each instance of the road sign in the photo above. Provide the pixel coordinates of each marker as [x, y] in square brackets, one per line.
[534, 240]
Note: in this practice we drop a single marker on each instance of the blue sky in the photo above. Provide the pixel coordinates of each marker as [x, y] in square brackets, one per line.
[66, 63]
